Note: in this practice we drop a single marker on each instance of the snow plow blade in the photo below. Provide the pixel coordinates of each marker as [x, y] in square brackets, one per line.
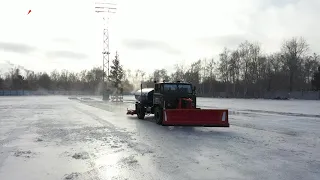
[196, 117]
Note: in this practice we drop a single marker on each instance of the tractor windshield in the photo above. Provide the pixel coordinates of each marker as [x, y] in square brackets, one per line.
[183, 88]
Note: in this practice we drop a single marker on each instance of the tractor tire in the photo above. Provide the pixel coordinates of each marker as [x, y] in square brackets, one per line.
[158, 115]
[140, 112]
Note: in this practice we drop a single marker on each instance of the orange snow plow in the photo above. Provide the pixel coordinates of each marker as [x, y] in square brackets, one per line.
[174, 104]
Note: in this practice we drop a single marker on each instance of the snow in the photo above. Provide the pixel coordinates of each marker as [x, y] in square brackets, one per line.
[53, 137]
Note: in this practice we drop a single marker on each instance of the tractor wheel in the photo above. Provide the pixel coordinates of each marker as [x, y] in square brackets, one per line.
[140, 112]
[158, 115]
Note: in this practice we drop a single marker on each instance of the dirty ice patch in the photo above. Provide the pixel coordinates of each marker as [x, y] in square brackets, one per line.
[81, 155]
[24, 153]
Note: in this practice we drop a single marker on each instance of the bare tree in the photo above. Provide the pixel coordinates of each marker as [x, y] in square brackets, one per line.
[179, 74]
[293, 52]
[234, 66]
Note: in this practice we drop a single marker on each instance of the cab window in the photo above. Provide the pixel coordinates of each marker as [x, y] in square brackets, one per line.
[170, 87]
[157, 88]
[161, 88]
[185, 88]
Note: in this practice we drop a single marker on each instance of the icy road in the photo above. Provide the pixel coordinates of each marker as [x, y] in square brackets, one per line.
[59, 138]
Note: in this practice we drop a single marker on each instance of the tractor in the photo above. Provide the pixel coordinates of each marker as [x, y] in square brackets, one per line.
[175, 104]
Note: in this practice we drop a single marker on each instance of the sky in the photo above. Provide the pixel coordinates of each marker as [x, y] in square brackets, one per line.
[147, 34]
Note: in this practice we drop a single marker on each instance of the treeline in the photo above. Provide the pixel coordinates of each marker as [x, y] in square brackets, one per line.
[92, 81]
[248, 72]
[88, 81]
[242, 72]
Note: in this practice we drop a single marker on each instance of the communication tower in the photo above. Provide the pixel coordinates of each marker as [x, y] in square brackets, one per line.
[105, 9]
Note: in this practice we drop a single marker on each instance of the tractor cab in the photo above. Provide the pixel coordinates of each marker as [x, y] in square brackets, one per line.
[174, 88]
[175, 95]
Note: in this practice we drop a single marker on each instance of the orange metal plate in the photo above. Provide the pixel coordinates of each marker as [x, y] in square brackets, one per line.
[196, 117]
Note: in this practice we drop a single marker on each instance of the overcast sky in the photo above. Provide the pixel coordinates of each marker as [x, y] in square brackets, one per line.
[148, 34]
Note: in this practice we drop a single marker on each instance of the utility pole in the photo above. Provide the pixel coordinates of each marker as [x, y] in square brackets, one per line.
[105, 8]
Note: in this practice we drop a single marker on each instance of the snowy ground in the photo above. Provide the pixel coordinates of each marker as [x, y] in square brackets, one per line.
[59, 138]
